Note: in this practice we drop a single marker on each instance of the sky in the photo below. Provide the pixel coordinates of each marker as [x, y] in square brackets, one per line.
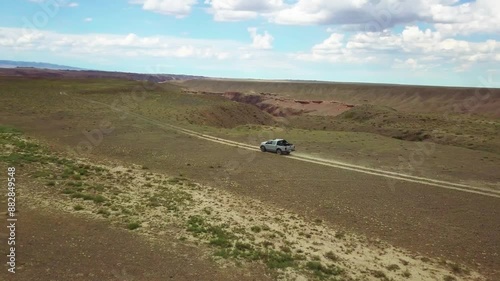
[423, 42]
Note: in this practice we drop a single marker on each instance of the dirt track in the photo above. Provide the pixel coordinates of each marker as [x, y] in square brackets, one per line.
[324, 162]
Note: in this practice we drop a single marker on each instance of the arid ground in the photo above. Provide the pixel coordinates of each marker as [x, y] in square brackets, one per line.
[130, 180]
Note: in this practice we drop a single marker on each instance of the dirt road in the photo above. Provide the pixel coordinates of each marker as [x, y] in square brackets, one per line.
[318, 161]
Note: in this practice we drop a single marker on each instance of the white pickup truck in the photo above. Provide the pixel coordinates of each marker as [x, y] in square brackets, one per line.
[280, 146]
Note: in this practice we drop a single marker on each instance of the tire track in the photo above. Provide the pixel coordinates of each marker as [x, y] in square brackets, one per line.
[318, 161]
[355, 168]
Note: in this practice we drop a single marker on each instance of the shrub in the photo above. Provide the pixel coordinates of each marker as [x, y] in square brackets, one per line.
[133, 225]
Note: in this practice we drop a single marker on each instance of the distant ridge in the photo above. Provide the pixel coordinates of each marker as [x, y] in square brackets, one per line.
[41, 65]
[42, 70]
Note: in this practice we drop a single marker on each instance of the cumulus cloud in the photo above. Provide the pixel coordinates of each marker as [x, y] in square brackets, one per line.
[431, 48]
[178, 8]
[333, 49]
[447, 16]
[88, 19]
[451, 17]
[332, 45]
[414, 64]
[375, 15]
[104, 45]
[237, 10]
[481, 16]
[261, 41]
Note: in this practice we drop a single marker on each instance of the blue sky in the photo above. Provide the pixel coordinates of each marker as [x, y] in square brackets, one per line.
[429, 42]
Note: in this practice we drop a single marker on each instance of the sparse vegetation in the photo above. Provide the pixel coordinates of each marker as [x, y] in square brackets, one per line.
[457, 268]
[340, 235]
[379, 274]
[169, 198]
[449, 278]
[78, 207]
[133, 225]
[425, 259]
[267, 244]
[276, 259]
[89, 197]
[174, 180]
[285, 249]
[393, 267]
[332, 256]
[256, 229]
[104, 212]
[321, 270]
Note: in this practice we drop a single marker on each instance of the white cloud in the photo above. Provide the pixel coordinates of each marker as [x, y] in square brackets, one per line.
[447, 16]
[332, 45]
[58, 3]
[481, 16]
[178, 8]
[184, 51]
[109, 45]
[113, 51]
[413, 64]
[237, 10]
[365, 15]
[333, 49]
[261, 41]
[88, 19]
[246, 56]
[430, 47]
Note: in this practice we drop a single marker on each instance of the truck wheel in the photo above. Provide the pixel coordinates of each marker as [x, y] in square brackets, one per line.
[278, 151]
[263, 148]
